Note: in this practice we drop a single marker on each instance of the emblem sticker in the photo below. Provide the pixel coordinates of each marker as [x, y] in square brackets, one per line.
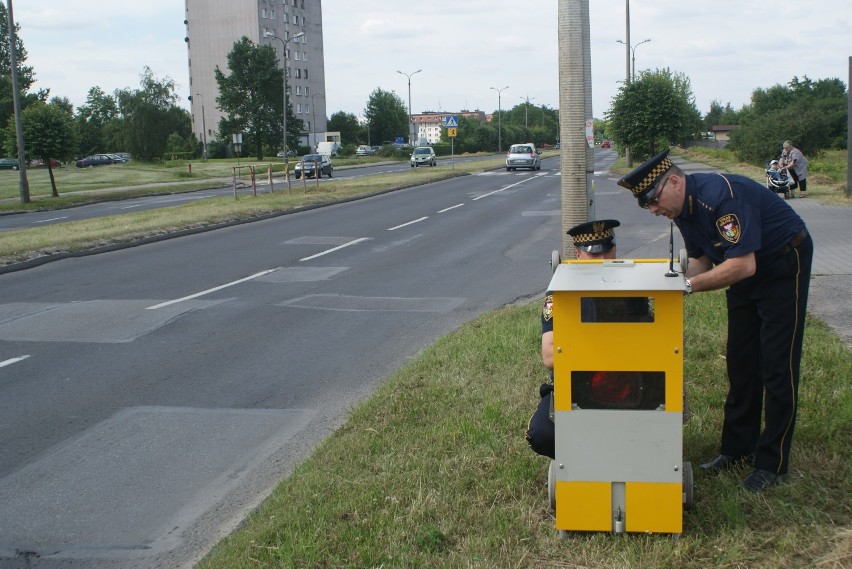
[729, 227]
[547, 311]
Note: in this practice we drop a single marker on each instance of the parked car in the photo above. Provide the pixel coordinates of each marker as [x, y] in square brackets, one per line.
[308, 166]
[523, 156]
[422, 156]
[54, 163]
[95, 160]
[9, 164]
[606, 144]
[290, 153]
[364, 150]
[118, 158]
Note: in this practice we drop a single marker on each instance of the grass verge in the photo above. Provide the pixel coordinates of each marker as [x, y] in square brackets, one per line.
[433, 470]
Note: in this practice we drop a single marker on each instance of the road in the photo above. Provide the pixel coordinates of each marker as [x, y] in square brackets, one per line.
[31, 219]
[150, 397]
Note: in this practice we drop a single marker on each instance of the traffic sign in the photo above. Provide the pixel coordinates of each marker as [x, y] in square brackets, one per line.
[451, 121]
[451, 132]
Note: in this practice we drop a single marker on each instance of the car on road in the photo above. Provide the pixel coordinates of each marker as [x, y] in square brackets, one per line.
[95, 160]
[422, 156]
[9, 164]
[523, 156]
[312, 164]
[606, 144]
[364, 150]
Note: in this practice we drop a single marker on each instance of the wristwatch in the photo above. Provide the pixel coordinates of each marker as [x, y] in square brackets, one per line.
[688, 285]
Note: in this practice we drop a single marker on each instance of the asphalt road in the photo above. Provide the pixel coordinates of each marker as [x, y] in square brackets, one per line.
[150, 397]
[29, 219]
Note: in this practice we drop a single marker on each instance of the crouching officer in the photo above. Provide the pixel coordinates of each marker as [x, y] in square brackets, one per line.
[739, 235]
[592, 240]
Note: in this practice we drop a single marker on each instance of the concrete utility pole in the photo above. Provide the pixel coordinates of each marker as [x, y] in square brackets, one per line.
[575, 109]
[16, 97]
[284, 119]
[203, 125]
[628, 153]
[849, 132]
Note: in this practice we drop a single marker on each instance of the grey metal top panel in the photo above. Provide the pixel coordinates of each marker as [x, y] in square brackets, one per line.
[615, 275]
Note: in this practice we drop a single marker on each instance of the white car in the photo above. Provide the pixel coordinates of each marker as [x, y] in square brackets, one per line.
[422, 156]
[364, 150]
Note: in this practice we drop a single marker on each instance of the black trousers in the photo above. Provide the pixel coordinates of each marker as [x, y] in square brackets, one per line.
[541, 432]
[766, 319]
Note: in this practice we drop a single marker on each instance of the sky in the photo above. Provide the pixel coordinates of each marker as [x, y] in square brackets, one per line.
[727, 48]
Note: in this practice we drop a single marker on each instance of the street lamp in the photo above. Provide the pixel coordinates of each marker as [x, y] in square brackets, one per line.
[314, 115]
[633, 52]
[284, 119]
[499, 116]
[203, 126]
[410, 127]
[527, 109]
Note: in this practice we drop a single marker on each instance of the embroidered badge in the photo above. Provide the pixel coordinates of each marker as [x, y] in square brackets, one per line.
[547, 312]
[729, 227]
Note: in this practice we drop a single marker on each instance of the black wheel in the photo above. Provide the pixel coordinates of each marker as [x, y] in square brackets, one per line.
[688, 488]
[330, 172]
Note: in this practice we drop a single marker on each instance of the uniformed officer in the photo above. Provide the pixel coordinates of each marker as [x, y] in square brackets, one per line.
[739, 235]
[592, 240]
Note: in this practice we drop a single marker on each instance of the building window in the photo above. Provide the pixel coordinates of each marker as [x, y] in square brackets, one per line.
[298, 90]
[306, 73]
[307, 107]
[272, 14]
[298, 73]
[299, 108]
[263, 13]
[304, 56]
[297, 56]
[306, 91]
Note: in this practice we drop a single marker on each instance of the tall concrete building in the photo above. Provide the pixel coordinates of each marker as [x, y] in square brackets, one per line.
[212, 28]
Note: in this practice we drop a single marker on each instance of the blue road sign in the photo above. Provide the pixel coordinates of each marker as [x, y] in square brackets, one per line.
[451, 122]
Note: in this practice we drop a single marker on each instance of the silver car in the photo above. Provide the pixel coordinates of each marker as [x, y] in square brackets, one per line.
[422, 156]
[523, 156]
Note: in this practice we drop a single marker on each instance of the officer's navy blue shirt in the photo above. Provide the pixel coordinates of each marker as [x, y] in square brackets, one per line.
[722, 221]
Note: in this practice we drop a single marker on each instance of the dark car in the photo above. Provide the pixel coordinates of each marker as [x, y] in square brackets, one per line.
[309, 164]
[95, 160]
[8, 164]
[606, 144]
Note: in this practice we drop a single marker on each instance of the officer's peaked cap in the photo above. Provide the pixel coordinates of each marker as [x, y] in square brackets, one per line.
[643, 180]
[595, 236]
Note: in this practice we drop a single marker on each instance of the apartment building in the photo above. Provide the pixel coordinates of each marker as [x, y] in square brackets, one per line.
[428, 124]
[212, 28]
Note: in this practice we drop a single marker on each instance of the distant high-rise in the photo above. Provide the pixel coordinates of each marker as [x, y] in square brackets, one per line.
[212, 28]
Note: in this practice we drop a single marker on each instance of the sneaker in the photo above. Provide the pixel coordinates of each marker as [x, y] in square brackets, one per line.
[759, 479]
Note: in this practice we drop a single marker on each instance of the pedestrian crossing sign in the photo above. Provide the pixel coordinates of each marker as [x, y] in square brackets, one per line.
[451, 121]
[452, 132]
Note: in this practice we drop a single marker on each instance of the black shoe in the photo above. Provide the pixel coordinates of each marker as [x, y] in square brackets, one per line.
[722, 462]
[759, 479]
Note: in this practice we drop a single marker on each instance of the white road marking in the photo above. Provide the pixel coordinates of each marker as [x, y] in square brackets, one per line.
[12, 361]
[501, 189]
[208, 291]
[332, 250]
[52, 219]
[449, 208]
[409, 223]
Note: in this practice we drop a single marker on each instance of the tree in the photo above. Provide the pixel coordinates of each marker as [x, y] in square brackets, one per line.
[812, 114]
[96, 120]
[26, 76]
[49, 132]
[252, 98]
[656, 109]
[386, 115]
[347, 125]
[149, 115]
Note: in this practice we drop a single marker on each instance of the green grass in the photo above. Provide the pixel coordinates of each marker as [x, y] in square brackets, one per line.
[433, 470]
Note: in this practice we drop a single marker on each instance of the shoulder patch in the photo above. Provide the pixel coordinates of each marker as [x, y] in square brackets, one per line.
[547, 311]
[729, 227]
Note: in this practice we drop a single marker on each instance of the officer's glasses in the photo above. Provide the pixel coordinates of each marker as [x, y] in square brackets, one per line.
[657, 193]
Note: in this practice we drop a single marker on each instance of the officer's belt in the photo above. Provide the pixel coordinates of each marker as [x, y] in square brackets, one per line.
[795, 241]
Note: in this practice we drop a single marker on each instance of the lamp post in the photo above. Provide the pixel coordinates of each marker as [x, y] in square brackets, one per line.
[632, 76]
[314, 115]
[527, 110]
[499, 118]
[284, 114]
[410, 129]
[203, 126]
